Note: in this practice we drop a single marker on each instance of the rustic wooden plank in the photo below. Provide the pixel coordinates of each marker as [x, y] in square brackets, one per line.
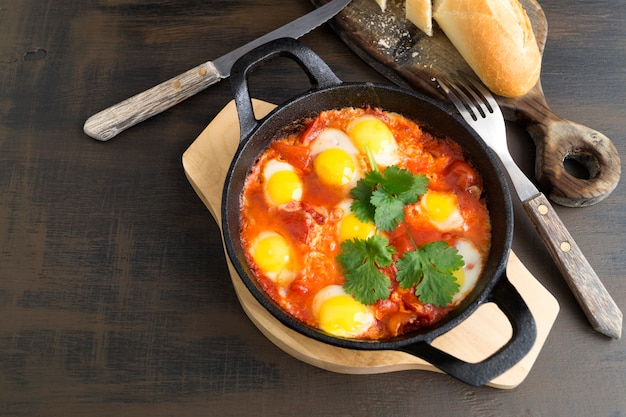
[115, 297]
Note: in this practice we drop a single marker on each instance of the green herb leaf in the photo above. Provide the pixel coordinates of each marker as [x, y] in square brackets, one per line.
[404, 184]
[430, 269]
[361, 260]
[381, 197]
[389, 210]
[361, 206]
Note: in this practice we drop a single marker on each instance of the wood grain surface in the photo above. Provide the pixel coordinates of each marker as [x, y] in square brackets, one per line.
[115, 297]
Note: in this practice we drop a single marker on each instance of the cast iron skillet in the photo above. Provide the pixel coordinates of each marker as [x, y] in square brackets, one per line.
[328, 92]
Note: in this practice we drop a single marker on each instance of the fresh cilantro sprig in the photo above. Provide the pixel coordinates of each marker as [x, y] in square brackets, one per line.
[361, 259]
[430, 269]
[380, 197]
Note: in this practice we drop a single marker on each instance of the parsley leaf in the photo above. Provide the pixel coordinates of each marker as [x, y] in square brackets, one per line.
[389, 210]
[402, 183]
[362, 206]
[361, 260]
[380, 197]
[430, 269]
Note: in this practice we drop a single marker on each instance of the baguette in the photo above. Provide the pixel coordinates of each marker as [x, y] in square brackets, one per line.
[420, 13]
[496, 39]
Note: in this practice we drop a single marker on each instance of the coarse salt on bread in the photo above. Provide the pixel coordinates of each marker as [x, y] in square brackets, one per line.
[496, 39]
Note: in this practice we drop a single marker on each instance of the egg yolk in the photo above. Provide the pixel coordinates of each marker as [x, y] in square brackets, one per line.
[334, 166]
[283, 187]
[440, 206]
[342, 315]
[272, 254]
[459, 274]
[353, 228]
[373, 134]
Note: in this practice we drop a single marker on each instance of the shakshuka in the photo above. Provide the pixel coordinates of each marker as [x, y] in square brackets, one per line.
[297, 212]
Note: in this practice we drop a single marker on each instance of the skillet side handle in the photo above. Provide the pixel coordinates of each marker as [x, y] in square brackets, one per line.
[524, 335]
[319, 73]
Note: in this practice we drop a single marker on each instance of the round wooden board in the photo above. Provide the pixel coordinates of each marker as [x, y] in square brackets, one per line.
[206, 163]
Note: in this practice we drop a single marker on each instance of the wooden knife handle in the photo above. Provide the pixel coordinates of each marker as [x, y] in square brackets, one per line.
[119, 117]
[602, 312]
[557, 140]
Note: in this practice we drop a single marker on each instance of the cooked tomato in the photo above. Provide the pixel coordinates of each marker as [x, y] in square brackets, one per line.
[305, 229]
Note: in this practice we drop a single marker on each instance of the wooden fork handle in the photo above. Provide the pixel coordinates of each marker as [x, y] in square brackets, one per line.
[597, 304]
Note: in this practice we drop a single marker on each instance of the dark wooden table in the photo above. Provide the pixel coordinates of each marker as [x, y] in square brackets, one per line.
[115, 297]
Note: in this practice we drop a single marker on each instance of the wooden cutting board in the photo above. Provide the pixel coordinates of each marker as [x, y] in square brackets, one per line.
[401, 52]
[206, 163]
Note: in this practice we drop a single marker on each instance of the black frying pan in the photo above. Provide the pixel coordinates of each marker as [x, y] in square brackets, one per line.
[328, 92]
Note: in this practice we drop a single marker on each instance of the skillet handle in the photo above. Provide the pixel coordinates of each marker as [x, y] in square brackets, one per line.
[319, 73]
[511, 303]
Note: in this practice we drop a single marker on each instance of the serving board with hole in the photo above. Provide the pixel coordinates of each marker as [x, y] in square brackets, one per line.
[206, 163]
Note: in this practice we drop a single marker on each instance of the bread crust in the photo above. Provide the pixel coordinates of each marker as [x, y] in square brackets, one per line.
[496, 39]
[420, 13]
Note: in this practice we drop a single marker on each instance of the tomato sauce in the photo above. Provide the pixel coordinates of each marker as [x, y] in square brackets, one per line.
[310, 223]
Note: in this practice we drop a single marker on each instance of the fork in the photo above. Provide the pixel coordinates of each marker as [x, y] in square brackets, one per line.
[481, 111]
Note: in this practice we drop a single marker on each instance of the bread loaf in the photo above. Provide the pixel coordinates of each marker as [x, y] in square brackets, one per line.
[496, 39]
[420, 13]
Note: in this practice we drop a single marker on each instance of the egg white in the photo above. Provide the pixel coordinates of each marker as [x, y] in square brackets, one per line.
[282, 277]
[343, 210]
[454, 221]
[274, 166]
[472, 269]
[331, 138]
[366, 319]
[389, 154]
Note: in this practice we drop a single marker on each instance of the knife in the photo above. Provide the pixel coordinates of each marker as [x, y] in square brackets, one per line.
[119, 117]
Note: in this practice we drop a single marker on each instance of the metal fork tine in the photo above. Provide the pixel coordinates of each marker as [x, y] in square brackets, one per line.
[472, 95]
[486, 96]
[458, 98]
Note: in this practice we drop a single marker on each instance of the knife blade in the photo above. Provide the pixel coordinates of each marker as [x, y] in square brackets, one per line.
[119, 117]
